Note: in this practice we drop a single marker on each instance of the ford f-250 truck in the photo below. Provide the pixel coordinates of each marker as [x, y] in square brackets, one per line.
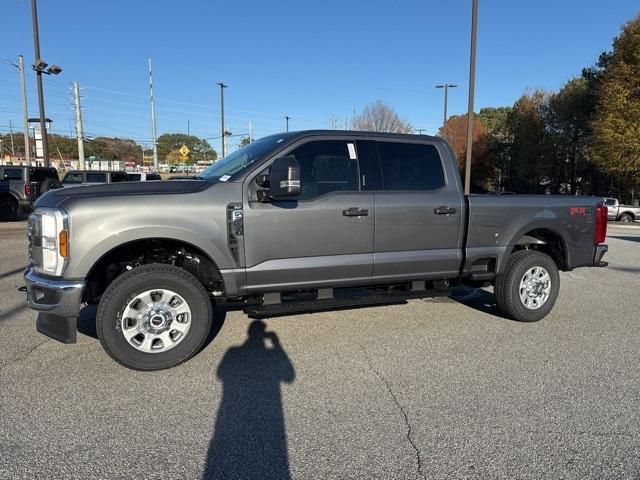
[294, 222]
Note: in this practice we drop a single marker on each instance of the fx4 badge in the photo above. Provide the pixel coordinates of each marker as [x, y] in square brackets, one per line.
[578, 210]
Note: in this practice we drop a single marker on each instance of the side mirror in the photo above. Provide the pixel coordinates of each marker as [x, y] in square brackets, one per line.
[284, 178]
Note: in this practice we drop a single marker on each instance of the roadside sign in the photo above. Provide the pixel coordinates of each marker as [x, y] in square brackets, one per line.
[184, 150]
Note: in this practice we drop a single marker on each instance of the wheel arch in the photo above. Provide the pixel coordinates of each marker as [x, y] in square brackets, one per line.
[544, 239]
[142, 251]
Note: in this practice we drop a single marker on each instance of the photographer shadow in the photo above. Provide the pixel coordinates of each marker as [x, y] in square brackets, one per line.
[249, 440]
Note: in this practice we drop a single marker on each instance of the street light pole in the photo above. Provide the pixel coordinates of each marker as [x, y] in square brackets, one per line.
[153, 119]
[446, 87]
[472, 81]
[36, 46]
[287, 117]
[222, 132]
[25, 116]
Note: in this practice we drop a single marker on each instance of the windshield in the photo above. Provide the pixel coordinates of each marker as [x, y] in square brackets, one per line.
[241, 158]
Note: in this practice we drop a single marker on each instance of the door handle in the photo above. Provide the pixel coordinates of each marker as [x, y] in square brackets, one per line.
[355, 212]
[444, 211]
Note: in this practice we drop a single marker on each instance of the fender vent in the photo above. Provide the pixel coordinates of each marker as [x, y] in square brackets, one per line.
[235, 231]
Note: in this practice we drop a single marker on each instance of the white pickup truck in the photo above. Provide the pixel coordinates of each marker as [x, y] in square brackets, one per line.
[621, 213]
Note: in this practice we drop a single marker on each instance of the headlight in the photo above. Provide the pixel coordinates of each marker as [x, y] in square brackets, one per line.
[49, 240]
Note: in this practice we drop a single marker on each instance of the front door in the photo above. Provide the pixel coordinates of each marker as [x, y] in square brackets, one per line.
[324, 237]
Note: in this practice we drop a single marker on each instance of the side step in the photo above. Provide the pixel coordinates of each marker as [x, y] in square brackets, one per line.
[339, 303]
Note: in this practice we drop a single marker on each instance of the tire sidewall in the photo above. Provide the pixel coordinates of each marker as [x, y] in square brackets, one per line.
[537, 259]
[112, 306]
[626, 218]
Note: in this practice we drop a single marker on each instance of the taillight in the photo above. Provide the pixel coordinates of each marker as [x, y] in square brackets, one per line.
[28, 189]
[601, 224]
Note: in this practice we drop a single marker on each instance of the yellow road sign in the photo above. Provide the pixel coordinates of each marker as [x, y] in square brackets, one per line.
[184, 150]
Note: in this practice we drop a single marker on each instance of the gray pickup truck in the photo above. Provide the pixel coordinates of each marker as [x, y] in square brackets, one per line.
[301, 221]
[20, 186]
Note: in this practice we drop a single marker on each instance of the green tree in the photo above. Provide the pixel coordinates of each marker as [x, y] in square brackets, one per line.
[616, 129]
[200, 148]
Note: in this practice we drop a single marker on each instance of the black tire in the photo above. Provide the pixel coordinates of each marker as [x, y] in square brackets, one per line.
[507, 285]
[147, 277]
[49, 184]
[9, 209]
[626, 218]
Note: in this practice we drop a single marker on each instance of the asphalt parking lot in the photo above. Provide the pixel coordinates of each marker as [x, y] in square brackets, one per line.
[440, 388]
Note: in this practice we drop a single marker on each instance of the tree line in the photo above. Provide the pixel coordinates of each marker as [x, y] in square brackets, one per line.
[114, 148]
[581, 140]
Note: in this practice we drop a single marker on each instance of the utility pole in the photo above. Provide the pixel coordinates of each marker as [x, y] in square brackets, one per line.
[472, 81]
[250, 133]
[25, 115]
[446, 87]
[286, 118]
[79, 128]
[153, 120]
[36, 46]
[222, 131]
[13, 150]
[188, 127]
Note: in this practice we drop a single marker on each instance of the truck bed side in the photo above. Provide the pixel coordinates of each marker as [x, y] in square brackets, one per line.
[496, 224]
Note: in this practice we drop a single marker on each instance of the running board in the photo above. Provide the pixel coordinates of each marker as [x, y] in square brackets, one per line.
[339, 303]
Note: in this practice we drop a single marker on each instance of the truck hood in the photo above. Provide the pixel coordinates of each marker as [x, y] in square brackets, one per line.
[55, 197]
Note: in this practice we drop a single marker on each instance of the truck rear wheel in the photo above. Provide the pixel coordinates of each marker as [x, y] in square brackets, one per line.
[626, 218]
[154, 317]
[528, 288]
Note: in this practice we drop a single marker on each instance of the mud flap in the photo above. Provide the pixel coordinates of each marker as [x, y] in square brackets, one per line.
[59, 328]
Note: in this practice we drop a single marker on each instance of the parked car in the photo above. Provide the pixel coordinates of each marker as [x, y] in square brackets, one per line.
[142, 176]
[294, 222]
[621, 213]
[93, 177]
[20, 186]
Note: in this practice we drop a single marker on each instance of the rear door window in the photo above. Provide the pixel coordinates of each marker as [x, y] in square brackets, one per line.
[96, 177]
[409, 166]
[40, 174]
[119, 177]
[12, 173]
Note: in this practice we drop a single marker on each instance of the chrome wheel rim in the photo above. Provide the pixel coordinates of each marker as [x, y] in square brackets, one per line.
[535, 288]
[156, 320]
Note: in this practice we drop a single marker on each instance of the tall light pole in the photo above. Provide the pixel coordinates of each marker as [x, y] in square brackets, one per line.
[222, 131]
[287, 118]
[446, 87]
[472, 82]
[153, 120]
[25, 116]
[40, 66]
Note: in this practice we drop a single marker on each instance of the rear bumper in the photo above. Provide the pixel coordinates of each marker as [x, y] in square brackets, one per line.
[58, 301]
[600, 251]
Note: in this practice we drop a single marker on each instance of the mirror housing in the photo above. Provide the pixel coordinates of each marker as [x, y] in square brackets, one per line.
[284, 178]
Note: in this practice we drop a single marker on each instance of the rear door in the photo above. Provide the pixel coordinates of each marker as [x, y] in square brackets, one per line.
[323, 237]
[418, 212]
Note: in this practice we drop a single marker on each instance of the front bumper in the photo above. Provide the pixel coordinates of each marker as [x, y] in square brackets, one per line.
[600, 251]
[58, 301]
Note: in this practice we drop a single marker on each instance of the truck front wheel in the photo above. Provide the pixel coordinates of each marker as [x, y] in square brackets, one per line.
[528, 288]
[153, 317]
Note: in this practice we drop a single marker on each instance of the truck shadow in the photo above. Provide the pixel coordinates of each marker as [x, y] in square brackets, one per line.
[249, 440]
[478, 299]
[627, 238]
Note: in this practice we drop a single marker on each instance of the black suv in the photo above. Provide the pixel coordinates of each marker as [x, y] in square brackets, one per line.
[20, 186]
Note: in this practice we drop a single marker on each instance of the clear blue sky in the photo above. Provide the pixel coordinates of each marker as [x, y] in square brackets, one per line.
[308, 60]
